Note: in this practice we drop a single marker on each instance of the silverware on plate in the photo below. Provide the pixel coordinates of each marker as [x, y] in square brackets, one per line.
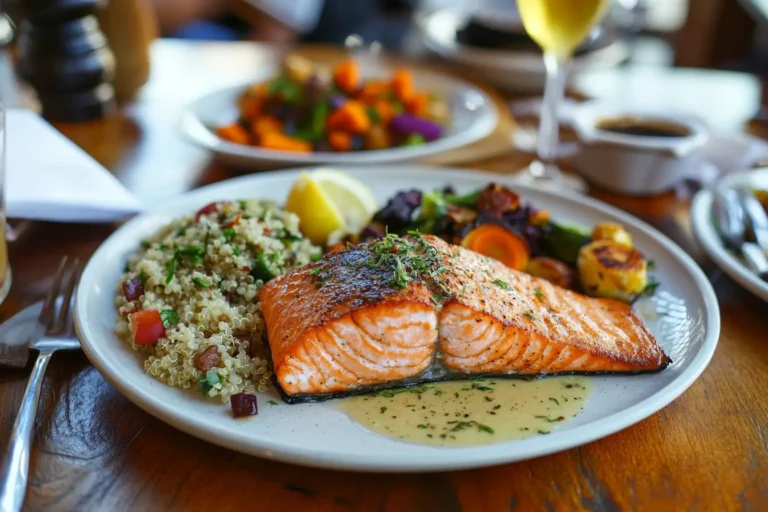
[731, 220]
[757, 219]
[53, 331]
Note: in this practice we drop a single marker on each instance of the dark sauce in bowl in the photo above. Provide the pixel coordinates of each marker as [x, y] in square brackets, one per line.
[644, 127]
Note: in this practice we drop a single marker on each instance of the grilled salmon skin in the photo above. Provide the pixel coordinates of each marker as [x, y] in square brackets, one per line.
[415, 309]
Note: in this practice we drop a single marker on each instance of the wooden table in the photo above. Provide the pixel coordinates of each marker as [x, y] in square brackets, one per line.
[94, 450]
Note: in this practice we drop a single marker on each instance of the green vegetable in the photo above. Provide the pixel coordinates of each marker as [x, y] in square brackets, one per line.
[433, 205]
[272, 402]
[146, 244]
[170, 270]
[373, 115]
[563, 243]
[317, 120]
[143, 279]
[208, 381]
[199, 282]
[193, 253]
[169, 317]
[265, 267]
[414, 139]
[287, 89]
[467, 200]
[501, 284]
[228, 234]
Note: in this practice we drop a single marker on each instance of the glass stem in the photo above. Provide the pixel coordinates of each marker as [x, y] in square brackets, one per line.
[554, 93]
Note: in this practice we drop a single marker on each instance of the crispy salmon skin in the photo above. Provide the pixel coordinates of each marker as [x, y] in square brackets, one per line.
[415, 309]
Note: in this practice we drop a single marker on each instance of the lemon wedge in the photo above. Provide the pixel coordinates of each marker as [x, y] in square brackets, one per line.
[330, 204]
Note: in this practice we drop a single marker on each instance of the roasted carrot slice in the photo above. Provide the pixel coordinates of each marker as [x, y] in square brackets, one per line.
[351, 117]
[418, 104]
[340, 141]
[266, 124]
[402, 84]
[279, 141]
[346, 76]
[234, 133]
[500, 244]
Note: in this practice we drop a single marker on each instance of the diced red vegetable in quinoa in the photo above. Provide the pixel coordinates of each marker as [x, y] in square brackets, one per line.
[133, 289]
[232, 220]
[208, 359]
[146, 327]
[243, 404]
[205, 210]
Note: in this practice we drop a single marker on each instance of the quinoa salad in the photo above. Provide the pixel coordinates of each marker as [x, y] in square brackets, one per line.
[188, 299]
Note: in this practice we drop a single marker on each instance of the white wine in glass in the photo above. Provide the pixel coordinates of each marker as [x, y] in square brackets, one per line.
[558, 27]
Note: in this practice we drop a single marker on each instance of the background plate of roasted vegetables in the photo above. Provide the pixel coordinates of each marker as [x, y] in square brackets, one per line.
[558, 235]
[299, 112]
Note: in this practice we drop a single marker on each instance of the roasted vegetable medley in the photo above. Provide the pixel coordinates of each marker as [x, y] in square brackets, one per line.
[310, 108]
[494, 222]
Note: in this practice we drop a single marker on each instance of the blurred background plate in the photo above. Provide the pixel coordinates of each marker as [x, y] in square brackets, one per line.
[492, 44]
[708, 237]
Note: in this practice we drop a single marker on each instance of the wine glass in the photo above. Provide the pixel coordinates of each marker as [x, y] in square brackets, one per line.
[558, 27]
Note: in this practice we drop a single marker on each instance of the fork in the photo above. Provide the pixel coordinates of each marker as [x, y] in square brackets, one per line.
[59, 335]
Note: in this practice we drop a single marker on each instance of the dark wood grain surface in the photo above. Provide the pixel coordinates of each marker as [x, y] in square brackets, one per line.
[94, 450]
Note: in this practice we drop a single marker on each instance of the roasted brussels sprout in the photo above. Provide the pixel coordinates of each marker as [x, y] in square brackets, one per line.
[552, 270]
[610, 269]
[612, 232]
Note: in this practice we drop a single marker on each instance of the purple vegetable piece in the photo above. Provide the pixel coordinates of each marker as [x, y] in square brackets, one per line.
[398, 211]
[337, 101]
[133, 289]
[372, 231]
[243, 404]
[408, 124]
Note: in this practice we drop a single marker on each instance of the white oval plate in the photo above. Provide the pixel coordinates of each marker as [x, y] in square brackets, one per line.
[473, 116]
[706, 233]
[319, 434]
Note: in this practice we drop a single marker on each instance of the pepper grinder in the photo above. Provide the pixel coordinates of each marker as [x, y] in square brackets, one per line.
[65, 57]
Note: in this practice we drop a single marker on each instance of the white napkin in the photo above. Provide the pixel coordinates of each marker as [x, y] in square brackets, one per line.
[48, 177]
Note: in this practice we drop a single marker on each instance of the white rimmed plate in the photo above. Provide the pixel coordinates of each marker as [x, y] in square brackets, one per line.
[683, 315]
[473, 116]
[708, 237]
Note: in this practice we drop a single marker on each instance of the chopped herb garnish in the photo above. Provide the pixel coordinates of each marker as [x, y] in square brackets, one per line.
[169, 317]
[242, 204]
[649, 289]
[542, 432]
[651, 265]
[315, 271]
[554, 400]
[488, 399]
[143, 279]
[272, 402]
[421, 426]
[496, 407]
[146, 244]
[551, 420]
[383, 410]
[228, 234]
[170, 270]
[265, 267]
[199, 282]
[485, 428]
[389, 393]
[209, 381]
[236, 250]
[181, 231]
[501, 284]
[539, 294]
[316, 256]
[530, 315]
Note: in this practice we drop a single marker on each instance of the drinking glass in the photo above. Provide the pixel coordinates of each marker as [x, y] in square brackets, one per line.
[558, 27]
[5, 269]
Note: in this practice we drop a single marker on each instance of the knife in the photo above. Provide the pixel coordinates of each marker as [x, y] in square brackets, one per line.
[756, 217]
[17, 334]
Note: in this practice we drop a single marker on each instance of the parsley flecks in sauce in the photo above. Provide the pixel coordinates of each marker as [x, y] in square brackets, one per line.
[539, 294]
[476, 412]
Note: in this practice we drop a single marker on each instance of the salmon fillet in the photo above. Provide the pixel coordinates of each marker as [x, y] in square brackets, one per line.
[418, 309]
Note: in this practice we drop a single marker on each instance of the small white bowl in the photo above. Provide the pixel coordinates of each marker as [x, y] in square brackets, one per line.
[636, 164]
